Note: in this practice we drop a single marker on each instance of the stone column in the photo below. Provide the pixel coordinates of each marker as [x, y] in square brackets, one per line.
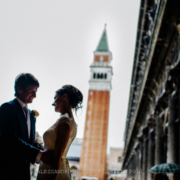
[140, 157]
[172, 86]
[165, 143]
[150, 147]
[158, 140]
[128, 172]
[173, 154]
[130, 168]
[134, 165]
[145, 153]
[178, 122]
[136, 160]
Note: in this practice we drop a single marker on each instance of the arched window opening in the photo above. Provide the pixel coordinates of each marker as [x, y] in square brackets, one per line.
[74, 168]
[101, 75]
[94, 75]
[98, 76]
[74, 171]
[105, 76]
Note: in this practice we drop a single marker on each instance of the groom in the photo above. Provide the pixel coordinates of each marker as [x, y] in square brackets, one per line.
[17, 131]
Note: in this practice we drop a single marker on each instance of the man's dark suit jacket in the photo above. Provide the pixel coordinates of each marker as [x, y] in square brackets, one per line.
[16, 150]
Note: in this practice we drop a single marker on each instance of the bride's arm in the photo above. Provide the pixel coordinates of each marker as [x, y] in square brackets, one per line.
[63, 133]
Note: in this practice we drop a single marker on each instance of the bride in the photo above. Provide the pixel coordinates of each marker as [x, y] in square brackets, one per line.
[61, 134]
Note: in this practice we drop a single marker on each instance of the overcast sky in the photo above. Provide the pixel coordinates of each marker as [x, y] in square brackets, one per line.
[55, 39]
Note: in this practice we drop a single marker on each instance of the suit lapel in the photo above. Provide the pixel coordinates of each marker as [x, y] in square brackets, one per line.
[21, 116]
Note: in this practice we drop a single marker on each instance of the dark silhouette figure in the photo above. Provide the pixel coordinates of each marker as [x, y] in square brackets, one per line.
[160, 177]
[176, 176]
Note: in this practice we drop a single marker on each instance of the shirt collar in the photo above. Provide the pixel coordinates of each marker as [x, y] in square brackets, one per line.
[21, 103]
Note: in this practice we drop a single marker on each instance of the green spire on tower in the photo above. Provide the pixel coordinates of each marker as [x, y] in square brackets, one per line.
[103, 43]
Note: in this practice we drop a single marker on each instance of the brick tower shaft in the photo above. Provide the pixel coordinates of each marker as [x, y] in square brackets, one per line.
[93, 155]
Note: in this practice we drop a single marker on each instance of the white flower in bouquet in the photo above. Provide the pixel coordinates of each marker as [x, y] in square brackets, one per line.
[39, 140]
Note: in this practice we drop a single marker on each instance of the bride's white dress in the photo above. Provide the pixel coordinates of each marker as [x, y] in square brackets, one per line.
[45, 171]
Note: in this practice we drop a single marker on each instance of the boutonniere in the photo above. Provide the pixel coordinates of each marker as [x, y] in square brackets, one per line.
[35, 113]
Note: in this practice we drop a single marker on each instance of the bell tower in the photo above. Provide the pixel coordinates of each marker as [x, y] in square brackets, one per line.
[93, 154]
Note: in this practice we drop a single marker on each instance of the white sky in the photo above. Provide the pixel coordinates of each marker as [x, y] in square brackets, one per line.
[55, 39]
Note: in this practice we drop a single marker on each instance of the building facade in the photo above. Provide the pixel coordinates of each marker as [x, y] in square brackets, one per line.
[73, 156]
[152, 127]
[115, 164]
[115, 159]
[93, 156]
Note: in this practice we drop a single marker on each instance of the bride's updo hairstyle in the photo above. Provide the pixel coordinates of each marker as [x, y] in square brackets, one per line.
[74, 95]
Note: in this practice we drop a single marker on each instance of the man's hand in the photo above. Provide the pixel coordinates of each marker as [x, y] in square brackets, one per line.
[47, 157]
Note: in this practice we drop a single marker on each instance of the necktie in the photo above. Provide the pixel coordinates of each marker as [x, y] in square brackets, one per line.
[27, 119]
[26, 111]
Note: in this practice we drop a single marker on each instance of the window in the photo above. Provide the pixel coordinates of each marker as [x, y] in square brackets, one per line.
[101, 76]
[98, 76]
[94, 75]
[105, 76]
[119, 159]
[89, 112]
[87, 132]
